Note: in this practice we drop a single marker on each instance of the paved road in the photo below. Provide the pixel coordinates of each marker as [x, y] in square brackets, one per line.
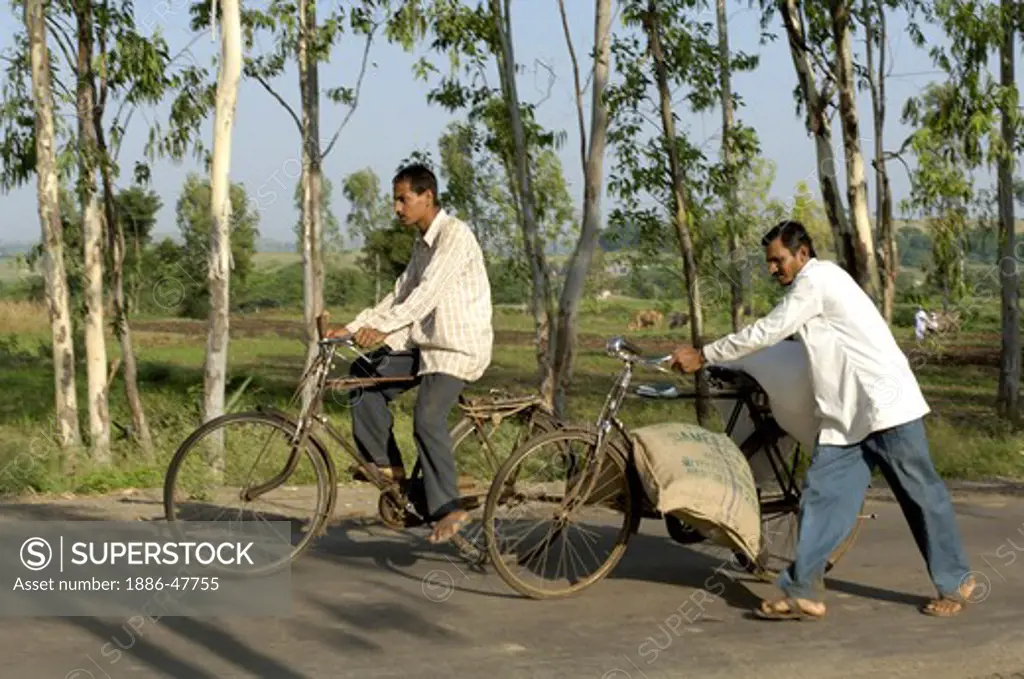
[371, 603]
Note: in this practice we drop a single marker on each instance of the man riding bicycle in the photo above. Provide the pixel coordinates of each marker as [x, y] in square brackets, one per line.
[436, 326]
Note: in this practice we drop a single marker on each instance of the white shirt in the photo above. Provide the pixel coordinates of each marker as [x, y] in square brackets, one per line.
[863, 382]
[441, 303]
[921, 323]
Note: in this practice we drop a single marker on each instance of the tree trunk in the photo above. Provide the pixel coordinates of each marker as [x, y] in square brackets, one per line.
[116, 252]
[593, 172]
[681, 222]
[57, 297]
[820, 128]
[130, 375]
[92, 237]
[736, 253]
[865, 264]
[541, 299]
[218, 264]
[312, 185]
[1008, 397]
[115, 249]
[887, 264]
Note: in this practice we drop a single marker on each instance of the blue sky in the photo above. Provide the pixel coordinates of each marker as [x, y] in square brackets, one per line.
[393, 117]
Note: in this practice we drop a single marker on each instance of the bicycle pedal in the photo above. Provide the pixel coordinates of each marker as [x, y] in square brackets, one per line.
[468, 551]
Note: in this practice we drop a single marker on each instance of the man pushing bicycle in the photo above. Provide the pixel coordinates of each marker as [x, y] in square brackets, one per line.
[437, 330]
[872, 411]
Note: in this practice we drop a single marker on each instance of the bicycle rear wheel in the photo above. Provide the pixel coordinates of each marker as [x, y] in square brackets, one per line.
[779, 532]
[549, 477]
[257, 456]
[480, 446]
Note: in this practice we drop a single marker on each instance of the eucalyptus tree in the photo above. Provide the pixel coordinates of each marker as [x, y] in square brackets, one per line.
[674, 49]
[301, 35]
[45, 165]
[983, 115]
[738, 152]
[820, 37]
[475, 38]
[592, 154]
[873, 15]
[116, 68]
[218, 263]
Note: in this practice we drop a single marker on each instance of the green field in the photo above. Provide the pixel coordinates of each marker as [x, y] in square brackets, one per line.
[958, 374]
[274, 260]
[11, 271]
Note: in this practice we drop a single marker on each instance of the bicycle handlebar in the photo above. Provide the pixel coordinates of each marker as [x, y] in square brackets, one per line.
[321, 331]
[625, 350]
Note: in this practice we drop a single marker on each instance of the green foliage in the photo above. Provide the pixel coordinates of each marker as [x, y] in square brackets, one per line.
[469, 37]
[17, 117]
[195, 223]
[510, 280]
[942, 187]
[474, 187]
[137, 208]
[642, 178]
[811, 213]
[914, 246]
[332, 240]
[369, 207]
[282, 288]
[391, 247]
[132, 68]
[957, 130]
[386, 242]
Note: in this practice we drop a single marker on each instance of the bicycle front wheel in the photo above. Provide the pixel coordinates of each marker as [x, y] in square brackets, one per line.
[246, 467]
[562, 483]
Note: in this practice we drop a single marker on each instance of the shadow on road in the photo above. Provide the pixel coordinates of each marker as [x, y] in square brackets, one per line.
[876, 593]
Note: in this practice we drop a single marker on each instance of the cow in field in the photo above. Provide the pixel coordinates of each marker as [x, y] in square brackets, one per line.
[649, 318]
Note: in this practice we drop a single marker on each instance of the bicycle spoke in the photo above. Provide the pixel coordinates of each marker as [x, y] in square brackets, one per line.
[543, 567]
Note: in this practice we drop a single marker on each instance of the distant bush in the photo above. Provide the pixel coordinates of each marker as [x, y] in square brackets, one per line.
[282, 287]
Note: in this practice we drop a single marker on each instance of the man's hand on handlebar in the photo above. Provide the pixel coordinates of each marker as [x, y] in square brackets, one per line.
[687, 359]
[368, 337]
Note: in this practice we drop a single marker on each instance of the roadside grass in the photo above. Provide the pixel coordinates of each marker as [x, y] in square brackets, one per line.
[958, 376]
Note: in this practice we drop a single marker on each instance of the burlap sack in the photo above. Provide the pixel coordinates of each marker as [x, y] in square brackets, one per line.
[702, 478]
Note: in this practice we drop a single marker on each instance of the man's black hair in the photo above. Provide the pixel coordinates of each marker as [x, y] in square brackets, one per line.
[420, 178]
[793, 235]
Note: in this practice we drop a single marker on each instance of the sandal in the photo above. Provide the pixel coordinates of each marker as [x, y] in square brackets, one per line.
[769, 610]
[933, 609]
[949, 605]
[396, 474]
[449, 527]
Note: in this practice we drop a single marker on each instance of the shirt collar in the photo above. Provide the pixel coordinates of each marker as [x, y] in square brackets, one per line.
[811, 263]
[435, 226]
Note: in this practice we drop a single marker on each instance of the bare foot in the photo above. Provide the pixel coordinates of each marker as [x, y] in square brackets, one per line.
[950, 605]
[447, 527]
[791, 609]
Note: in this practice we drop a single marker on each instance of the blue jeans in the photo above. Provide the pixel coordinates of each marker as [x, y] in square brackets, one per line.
[833, 493]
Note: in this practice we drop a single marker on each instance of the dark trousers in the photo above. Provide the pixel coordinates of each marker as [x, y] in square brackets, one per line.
[834, 490]
[373, 424]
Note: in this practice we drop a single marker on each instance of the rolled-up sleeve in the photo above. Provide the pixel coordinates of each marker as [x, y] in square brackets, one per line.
[801, 304]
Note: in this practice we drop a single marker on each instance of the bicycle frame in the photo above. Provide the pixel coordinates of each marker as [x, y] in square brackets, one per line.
[608, 420]
[308, 419]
